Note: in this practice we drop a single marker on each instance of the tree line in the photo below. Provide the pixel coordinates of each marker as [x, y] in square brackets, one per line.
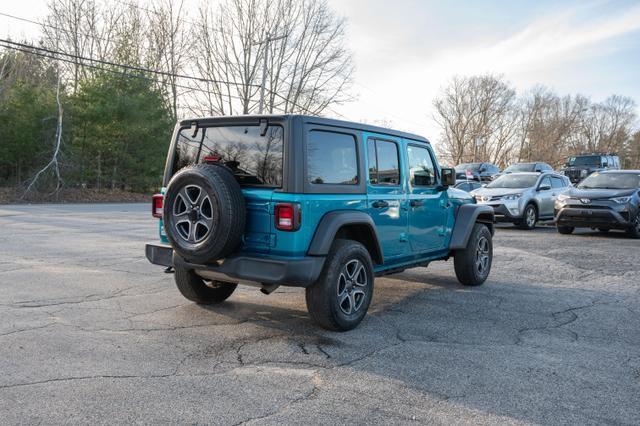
[483, 118]
[120, 74]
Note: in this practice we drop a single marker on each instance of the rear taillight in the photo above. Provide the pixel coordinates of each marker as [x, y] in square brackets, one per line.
[156, 205]
[287, 216]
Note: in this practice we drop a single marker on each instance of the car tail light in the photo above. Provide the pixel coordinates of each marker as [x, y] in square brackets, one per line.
[156, 205]
[288, 216]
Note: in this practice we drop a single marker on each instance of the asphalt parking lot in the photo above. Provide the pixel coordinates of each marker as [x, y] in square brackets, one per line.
[91, 332]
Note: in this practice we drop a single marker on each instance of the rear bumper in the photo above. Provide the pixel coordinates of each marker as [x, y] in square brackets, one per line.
[290, 272]
[592, 218]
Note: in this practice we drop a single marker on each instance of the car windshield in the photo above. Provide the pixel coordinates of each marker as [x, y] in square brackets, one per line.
[254, 159]
[587, 160]
[611, 181]
[468, 166]
[514, 181]
[523, 167]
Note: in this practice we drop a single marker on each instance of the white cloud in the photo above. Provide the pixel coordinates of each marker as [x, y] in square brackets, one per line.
[403, 90]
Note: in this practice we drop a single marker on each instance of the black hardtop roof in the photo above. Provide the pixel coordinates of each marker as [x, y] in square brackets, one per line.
[308, 119]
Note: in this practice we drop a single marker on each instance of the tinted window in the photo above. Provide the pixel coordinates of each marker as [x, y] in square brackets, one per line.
[514, 181]
[611, 181]
[421, 169]
[254, 159]
[467, 166]
[588, 160]
[384, 166]
[557, 182]
[331, 158]
[546, 181]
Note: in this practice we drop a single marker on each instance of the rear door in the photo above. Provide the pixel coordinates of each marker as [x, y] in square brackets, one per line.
[427, 206]
[545, 197]
[386, 194]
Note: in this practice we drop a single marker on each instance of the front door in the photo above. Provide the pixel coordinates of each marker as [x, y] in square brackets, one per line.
[427, 204]
[387, 196]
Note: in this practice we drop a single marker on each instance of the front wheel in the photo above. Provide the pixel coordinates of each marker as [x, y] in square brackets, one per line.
[473, 263]
[340, 298]
[529, 217]
[634, 230]
[196, 289]
[566, 230]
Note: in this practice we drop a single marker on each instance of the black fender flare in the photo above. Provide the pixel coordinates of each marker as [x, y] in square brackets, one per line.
[332, 222]
[466, 217]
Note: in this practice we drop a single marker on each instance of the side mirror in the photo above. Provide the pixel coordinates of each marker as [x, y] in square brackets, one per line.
[448, 177]
[544, 187]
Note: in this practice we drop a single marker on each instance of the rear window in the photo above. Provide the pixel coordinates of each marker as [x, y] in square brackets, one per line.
[255, 160]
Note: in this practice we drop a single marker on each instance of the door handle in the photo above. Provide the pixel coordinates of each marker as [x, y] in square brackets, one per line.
[380, 204]
[416, 203]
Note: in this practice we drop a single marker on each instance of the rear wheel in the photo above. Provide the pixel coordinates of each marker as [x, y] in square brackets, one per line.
[340, 298]
[566, 230]
[529, 217]
[196, 289]
[634, 230]
[473, 263]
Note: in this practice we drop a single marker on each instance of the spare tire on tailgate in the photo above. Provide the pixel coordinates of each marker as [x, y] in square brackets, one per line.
[204, 213]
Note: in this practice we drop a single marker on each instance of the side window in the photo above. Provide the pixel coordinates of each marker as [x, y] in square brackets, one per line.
[331, 158]
[557, 182]
[384, 165]
[545, 181]
[421, 169]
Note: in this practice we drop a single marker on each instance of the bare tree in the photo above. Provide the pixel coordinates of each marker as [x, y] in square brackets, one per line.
[169, 44]
[308, 67]
[607, 126]
[477, 109]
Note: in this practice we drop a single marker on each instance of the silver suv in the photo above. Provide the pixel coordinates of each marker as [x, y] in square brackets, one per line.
[523, 198]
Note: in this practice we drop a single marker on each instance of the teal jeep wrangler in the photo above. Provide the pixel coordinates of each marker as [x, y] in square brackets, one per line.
[310, 202]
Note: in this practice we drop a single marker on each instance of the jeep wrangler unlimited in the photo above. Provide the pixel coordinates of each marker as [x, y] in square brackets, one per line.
[310, 202]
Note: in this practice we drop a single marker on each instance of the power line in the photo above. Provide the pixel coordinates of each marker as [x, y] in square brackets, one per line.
[52, 54]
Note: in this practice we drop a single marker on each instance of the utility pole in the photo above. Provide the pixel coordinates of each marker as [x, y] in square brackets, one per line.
[267, 41]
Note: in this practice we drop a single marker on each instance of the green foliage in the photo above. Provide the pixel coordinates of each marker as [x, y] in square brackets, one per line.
[116, 127]
[121, 132]
[28, 116]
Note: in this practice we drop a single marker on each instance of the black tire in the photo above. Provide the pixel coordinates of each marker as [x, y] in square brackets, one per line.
[634, 230]
[605, 230]
[530, 211]
[195, 288]
[210, 227]
[342, 280]
[473, 263]
[565, 230]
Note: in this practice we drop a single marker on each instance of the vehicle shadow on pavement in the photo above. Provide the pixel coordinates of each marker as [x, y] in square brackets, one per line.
[515, 349]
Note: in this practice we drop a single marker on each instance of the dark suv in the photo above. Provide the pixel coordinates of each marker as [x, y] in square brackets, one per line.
[481, 172]
[579, 167]
[310, 202]
[607, 200]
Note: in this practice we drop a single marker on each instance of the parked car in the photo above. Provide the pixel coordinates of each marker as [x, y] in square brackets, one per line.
[580, 166]
[310, 202]
[604, 200]
[522, 198]
[482, 172]
[537, 167]
[468, 186]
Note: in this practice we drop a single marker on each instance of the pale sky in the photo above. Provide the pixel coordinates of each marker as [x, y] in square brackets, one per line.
[406, 50]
